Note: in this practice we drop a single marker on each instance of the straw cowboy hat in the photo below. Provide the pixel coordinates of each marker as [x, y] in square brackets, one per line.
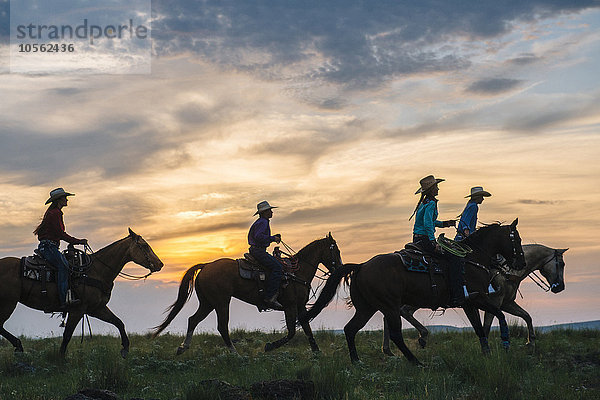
[427, 183]
[57, 194]
[263, 206]
[478, 191]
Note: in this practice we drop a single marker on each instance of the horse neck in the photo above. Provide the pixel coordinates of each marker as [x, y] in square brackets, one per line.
[110, 260]
[483, 245]
[309, 259]
[535, 257]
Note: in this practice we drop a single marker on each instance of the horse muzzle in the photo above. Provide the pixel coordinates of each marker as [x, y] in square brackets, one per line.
[557, 287]
[155, 267]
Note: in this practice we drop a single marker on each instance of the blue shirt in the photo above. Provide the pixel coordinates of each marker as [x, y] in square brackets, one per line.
[468, 220]
[260, 233]
[426, 219]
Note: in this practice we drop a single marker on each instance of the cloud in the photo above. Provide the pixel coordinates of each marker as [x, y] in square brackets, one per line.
[355, 44]
[538, 202]
[493, 86]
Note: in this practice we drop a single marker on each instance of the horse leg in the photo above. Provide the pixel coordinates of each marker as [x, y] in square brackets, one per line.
[472, 314]
[407, 313]
[515, 309]
[361, 316]
[290, 322]
[395, 326]
[5, 313]
[223, 324]
[385, 346]
[496, 312]
[308, 332]
[488, 318]
[202, 312]
[106, 315]
[72, 321]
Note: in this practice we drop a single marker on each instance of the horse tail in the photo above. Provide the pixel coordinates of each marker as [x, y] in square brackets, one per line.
[328, 291]
[186, 287]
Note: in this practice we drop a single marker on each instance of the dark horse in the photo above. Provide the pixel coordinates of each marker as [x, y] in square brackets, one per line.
[538, 257]
[383, 284]
[218, 281]
[94, 291]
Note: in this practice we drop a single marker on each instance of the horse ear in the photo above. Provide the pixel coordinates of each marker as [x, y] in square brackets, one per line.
[514, 223]
[329, 236]
[562, 251]
[132, 233]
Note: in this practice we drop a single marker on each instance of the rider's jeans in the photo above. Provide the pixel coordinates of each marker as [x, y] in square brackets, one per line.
[275, 267]
[52, 254]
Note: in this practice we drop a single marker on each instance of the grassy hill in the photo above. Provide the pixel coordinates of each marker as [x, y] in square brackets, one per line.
[565, 364]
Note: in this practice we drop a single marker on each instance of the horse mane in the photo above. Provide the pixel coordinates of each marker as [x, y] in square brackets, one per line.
[110, 245]
[485, 229]
[309, 246]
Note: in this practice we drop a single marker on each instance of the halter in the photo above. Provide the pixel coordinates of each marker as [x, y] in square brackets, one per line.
[513, 240]
[293, 254]
[540, 282]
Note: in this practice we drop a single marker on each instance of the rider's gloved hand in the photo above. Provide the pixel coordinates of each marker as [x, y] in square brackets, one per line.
[277, 237]
[82, 241]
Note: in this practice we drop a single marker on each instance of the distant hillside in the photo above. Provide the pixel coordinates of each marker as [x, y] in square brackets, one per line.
[576, 326]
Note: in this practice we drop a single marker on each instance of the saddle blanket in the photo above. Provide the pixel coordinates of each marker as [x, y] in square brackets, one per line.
[37, 269]
[417, 261]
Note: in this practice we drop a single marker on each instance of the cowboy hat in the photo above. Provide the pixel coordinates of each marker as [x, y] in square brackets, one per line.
[263, 206]
[57, 194]
[428, 182]
[478, 191]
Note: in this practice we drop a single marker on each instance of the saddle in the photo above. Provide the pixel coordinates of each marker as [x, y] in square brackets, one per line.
[37, 268]
[415, 259]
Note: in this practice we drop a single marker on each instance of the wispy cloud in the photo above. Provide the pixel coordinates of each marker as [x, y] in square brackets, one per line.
[493, 86]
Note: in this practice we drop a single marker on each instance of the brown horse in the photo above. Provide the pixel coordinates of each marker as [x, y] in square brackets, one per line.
[383, 284]
[94, 291]
[218, 281]
[538, 257]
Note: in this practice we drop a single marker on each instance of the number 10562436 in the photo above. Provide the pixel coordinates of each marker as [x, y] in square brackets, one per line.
[46, 48]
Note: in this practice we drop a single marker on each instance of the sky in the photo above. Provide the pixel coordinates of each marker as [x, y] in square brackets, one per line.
[332, 111]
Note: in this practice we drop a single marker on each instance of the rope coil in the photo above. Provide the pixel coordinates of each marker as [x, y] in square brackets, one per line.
[453, 247]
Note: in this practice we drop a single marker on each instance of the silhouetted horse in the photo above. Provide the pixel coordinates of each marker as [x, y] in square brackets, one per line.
[384, 284]
[94, 291]
[538, 257]
[218, 281]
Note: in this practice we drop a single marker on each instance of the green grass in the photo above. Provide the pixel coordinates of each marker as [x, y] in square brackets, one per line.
[565, 364]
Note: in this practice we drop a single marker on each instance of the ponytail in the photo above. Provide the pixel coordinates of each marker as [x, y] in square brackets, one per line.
[39, 227]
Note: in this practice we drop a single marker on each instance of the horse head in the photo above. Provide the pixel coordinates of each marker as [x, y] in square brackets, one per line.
[500, 239]
[141, 253]
[553, 270]
[331, 257]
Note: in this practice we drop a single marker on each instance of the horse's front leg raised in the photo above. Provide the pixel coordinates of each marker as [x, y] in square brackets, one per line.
[515, 309]
[72, 321]
[104, 314]
[290, 322]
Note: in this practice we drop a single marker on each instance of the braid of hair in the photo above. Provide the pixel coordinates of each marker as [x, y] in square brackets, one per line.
[418, 204]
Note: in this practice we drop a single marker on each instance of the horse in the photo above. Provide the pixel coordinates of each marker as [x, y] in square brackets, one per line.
[538, 257]
[93, 291]
[383, 284]
[218, 281]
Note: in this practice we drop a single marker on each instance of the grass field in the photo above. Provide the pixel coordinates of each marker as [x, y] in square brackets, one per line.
[564, 365]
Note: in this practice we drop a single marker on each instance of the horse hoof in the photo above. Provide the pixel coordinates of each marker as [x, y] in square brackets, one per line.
[506, 345]
[269, 347]
[18, 349]
[422, 343]
[124, 353]
[181, 350]
[388, 352]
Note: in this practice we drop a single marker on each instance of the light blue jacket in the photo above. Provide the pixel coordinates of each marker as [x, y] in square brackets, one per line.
[426, 219]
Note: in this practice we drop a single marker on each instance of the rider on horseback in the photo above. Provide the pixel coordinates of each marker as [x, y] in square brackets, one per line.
[468, 218]
[426, 221]
[259, 238]
[50, 232]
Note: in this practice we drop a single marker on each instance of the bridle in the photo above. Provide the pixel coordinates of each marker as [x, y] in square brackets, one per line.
[121, 273]
[538, 280]
[513, 240]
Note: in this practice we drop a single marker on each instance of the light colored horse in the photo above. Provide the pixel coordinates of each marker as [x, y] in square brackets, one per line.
[538, 257]
[93, 291]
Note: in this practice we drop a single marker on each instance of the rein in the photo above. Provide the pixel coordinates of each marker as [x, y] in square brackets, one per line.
[293, 254]
[540, 282]
[121, 273]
